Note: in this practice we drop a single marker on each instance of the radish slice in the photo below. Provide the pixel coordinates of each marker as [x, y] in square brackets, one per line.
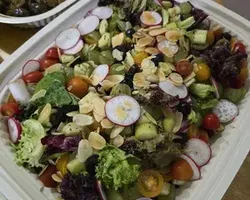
[216, 86]
[226, 111]
[88, 25]
[102, 12]
[19, 91]
[195, 168]
[199, 151]
[99, 74]
[15, 129]
[68, 38]
[75, 49]
[101, 190]
[123, 110]
[168, 48]
[151, 18]
[30, 66]
[173, 90]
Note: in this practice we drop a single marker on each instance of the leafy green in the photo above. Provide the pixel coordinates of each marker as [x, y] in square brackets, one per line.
[234, 95]
[30, 149]
[195, 117]
[202, 90]
[114, 170]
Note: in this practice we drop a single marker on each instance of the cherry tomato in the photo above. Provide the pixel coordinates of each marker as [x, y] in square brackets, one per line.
[33, 77]
[52, 53]
[244, 63]
[184, 67]
[10, 109]
[181, 170]
[203, 135]
[202, 71]
[239, 47]
[45, 63]
[193, 131]
[46, 176]
[139, 57]
[210, 37]
[61, 164]
[77, 87]
[211, 122]
[150, 183]
[240, 80]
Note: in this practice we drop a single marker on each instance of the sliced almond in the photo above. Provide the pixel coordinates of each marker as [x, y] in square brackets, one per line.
[107, 124]
[99, 106]
[173, 35]
[160, 75]
[178, 121]
[156, 32]
[152, 28]
[72, 114]
[56, 178]
[107, 85]
[140, 81]
[86, 108]
[143, 42]
[176, 79]
[153, 86]
[148, 67]
[152, 50]
[116, 131]
[139, 49]
[139, 35]
[97, 141]
[95, 80]
[152, 78]
[57, 133]
[83, 120]
[84, 150]
[115, 79]
[98, 117]
[160, 38]
[118, 141]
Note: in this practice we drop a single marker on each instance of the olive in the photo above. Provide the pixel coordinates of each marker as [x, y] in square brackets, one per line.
[181, 138]
[37, 8]
[18, 12]
[158, 58]
[185, 108]
[130, 32]
[91, 164]
[227, 36]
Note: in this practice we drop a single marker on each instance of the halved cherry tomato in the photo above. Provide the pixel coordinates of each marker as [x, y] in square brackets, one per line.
[203, 135]
[46, 176]
[77, 87]
[239, 47]
[150, 183]
[10, 109]
[193, 131]
[46, 63]
[202, 71]
[33, 77]
[184, 67]
[181, 170]
[211, 122]
[52, 53]
[61, 164]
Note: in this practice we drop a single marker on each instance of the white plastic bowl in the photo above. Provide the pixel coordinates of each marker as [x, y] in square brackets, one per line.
[37, 20]
[229, 151]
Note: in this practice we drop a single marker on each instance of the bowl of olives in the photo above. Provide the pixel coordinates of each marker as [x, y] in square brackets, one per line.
[31, 13]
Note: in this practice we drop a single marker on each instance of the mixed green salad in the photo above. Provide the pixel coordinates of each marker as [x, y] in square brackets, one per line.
[124, 106]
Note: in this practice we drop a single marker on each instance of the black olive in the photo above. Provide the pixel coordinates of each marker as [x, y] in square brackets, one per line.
[130, 32]
[181, 139]
[91, 164]
[158, 58]
[37, 8]
[130, 75]
[227, 36]
[185, 108]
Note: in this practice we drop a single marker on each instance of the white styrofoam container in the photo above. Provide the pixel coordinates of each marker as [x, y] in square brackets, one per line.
[229, 150]
[37, 20]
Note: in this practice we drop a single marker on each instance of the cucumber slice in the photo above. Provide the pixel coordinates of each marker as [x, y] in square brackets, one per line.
[200, 37]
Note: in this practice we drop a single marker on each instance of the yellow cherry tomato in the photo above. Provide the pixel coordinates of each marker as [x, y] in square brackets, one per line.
[139, 57]
[61, 164]
[202, 71]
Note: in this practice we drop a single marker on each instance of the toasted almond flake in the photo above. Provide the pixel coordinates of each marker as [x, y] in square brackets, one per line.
[160, 38]
[98, 117]
[59, 174]
[118, 39]
[176, 78]
[148, 67]
[178, 121]
[118, 141]
[99, 106]
[97, 141]
[106, 98]
[92, 89]
[116, 131]
[140, 81]
[105, 123]
[107, 85]
[139, 49]
[160, 75]
[83, 120]
[153, 86]
[115, 79]
[56, 178]
[95, 80]
[143, 42]
[173, 35]
[57, 133]
[72, 114]
[156, 32]
[152, 78]
[121, 113]
[84, 150]
[139, 35]
[152, 51]
[152, 28]
[86, 108]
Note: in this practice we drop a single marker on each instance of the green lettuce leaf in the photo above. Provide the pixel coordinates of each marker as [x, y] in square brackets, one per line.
[234, 95]
[195, 118]
[202, 90]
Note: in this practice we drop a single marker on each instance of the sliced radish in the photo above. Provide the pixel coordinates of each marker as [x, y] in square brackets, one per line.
[75, 49]
[88, 25]
[19, 91]
[15, 129]
[199, 151]
[68, 38]
[101, 190]
[151, 18]
[123, 110]
[102, 12]
[226, 111]
[171, 89]
[195, 168]
[168, 48]
[30, 66]
[184, 126]
[216, 86]
[99, 74]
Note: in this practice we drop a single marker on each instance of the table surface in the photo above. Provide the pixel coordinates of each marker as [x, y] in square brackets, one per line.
[11, 38]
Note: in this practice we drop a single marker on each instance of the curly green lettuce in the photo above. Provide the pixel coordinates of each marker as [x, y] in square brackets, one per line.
[202, 90]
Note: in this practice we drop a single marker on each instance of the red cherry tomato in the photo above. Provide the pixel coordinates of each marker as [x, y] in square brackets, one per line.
[239, 47]
[10, 109]
[211, 122]
[77, 87]
[33, 77]
[52, 53]
[184, 67]
[46, 176]
[46, 63]
[181, 170]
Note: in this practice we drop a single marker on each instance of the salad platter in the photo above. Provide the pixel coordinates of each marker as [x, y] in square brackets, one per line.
[144, 102]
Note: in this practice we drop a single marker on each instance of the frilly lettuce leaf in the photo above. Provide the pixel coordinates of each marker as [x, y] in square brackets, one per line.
[234, 95]
[202, 90]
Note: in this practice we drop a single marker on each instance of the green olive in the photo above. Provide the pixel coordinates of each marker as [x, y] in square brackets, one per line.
[120, 89]
[92, 38]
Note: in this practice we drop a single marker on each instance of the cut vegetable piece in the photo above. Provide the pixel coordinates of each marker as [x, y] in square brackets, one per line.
[101, 190]
[30, 66]
[195, 168]
[226, 111]
[167, 48]
[15, 129]
[122, 110]
[75, 49]
[215, 84]
[150, 18]
[99, 74]
[88, 25]
[169, 88]
[68, 38]
[158, 2]
[102, 12]
[84, 150]
[199, 151]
